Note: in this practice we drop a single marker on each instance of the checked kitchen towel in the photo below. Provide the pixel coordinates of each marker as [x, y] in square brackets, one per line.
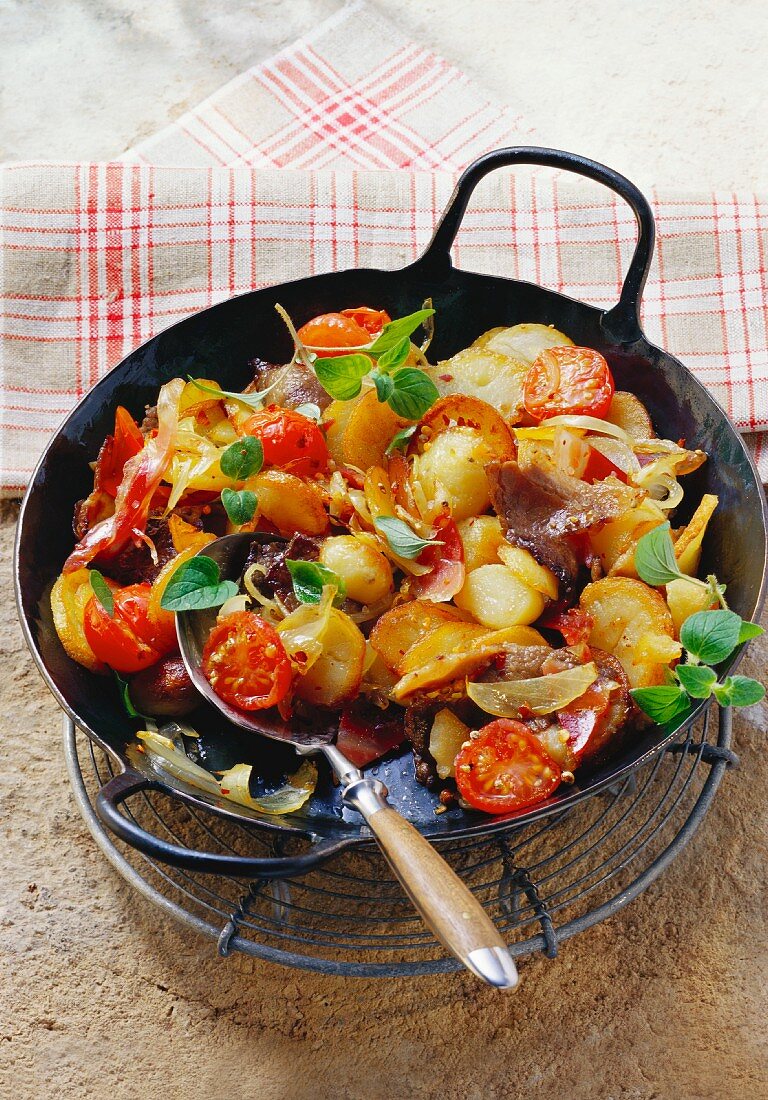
[310, 162]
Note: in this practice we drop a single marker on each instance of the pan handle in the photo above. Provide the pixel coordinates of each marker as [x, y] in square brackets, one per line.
[622, 321]
[129, 782]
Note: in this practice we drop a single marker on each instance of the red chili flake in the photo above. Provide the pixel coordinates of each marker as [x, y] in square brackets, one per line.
[445, 377]
[224, 790]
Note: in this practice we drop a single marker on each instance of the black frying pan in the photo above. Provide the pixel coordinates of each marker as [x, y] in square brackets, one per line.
[217, 343]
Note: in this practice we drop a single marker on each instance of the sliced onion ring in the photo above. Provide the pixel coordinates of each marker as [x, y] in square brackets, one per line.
[540, 694]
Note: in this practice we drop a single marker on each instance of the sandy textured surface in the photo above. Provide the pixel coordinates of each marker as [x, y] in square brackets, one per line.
[100, 996]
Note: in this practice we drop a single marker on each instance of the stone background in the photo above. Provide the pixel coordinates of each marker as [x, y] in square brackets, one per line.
[100, 995]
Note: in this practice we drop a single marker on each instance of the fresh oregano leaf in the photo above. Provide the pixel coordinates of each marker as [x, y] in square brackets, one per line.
[197, 584]
[748, 631]
[384, 384]
[239, 504]
[400, 439]
[394, 332]
[738, 691]
[309, 578]
[401, 539]
[414, 392]
[663, 704]
[253, 400]
[102, 591]
[697, 680]
[125, 697]
[655, 557]
[395, 356]
[243, 459]
[711, 636]
[342, 376]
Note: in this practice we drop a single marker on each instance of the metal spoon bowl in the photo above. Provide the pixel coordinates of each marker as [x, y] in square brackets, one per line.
[445, 904]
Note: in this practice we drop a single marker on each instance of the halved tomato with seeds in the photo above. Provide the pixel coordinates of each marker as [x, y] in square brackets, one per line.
[245, 662]
[505, 768]
[568, 380]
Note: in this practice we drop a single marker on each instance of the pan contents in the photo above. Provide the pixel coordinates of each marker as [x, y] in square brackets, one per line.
[475, 555]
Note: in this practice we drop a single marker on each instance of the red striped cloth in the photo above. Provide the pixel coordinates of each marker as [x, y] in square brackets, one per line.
[311, 162]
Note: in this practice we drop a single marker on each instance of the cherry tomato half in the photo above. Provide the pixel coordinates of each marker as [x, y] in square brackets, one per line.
[568, 380]
[291, 441]
[372, 320]
[245, 662]
[333, 334]
[506, 768]
[130, 639]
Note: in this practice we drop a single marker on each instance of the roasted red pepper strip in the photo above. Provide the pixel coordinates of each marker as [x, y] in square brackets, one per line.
[141, 477]
[445, 558]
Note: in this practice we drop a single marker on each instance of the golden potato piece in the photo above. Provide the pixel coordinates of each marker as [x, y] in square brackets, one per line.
[366, 573]
[459, 410]
[526, 342]
[401, 627]
[335, 420]
[69, 595]
[336, 674]
[481, 537]
[527, 569]
[368, 432]
[452, 470]
[488, 375]
[626, 615]
[616, 540]
[495, 597]
[446, 737]
[684, 598]
[629, 413]
[688, 543]
[290, 503]
[456, 654]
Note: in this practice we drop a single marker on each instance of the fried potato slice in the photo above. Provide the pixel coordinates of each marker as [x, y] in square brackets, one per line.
[688, 542]
[368, 432]
[401, 627]
[453, 652]
[524, 342]
[631, 621]
[629, 413]
[459, 410]
[485, 374]
[289, 503]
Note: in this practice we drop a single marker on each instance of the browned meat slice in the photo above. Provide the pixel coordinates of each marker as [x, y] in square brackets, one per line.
[591, 737]
[271, 556]
[296, 385]
[136, 563]
[519, 662]
[418, 725]
[540, 507]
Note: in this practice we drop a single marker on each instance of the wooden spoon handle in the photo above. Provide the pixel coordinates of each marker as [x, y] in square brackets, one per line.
[445, 904]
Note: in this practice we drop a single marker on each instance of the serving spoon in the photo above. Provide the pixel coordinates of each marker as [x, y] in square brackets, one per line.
[445, 904]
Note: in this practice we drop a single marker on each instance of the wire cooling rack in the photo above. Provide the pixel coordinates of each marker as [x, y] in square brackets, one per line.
[541, 883]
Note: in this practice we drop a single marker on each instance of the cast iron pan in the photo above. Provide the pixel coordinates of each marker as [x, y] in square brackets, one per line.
[217, 343]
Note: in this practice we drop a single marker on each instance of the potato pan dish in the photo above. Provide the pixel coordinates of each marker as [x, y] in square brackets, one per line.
[454, 560]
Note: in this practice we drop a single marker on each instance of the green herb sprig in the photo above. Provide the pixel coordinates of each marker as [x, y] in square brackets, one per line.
[102, 591]
[195, 585]
[241, 460]
[656, 564]
[407, 390]
[310, 577]
[708, 638]
[401, 539]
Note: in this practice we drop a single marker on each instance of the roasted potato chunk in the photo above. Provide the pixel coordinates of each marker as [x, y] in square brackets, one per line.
[631, 621]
